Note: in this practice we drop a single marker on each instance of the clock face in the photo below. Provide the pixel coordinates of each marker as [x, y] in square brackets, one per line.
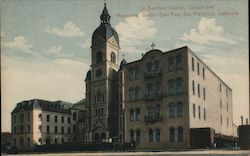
[98, 72]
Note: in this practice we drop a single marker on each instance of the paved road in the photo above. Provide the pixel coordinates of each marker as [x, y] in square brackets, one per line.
[168, 153]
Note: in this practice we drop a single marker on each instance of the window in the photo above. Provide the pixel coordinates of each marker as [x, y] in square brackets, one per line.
[21, 129]
[48, 118]
[149, 67]
[62, 140]
[170, 87]
[227, 122]
[193, 86]
[198, 90]
[220, 104]
[56, 129]
[55, 140]
[179, 109]
[157, 88]
[137, 114]
[180, 134]
[14, 119]
[14, 141]
[220, 87]
[28, 116]
[40, 128]
[99, 57]
[69, 130]
[227, 107]
[226, 92]
[171, 135]
[198, 68]
[131, 73]
[131, 114]
[131, 135]
[137, 73]
[113, 57]
[21, 141]
[62, 119]
[221, 119]
[138, 136]
[74, 128]
[137, 92]
[179, 84]
[158, 135]
[28, 128]
[68, 119]
[74, 116]
[62, 130]
[204, 93]
[48, 129]
[171, 110]
[40, 117]
[55, 118]
[15, 129]
[150, 135]
[21, 117]
[204, 113]
[150, 90]
[192, 64]
[203, 73]
[131, 94]
[194, 110]
[170, 64]
[199, 112]
[178, 62]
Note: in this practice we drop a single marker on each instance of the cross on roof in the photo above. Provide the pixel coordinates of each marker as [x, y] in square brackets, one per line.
[152, 45]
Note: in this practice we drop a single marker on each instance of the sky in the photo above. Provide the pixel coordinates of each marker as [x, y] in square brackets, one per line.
[45, 45]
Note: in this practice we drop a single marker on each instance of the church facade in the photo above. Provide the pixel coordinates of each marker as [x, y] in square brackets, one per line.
[155, 101]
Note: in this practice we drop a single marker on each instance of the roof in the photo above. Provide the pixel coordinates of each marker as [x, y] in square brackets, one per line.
[52, 106]
[80, 104]
[88, 76]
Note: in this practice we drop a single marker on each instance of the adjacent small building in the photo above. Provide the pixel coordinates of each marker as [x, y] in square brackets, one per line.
[39, 122]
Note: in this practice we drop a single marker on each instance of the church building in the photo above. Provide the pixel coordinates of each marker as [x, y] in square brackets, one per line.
[163, 100]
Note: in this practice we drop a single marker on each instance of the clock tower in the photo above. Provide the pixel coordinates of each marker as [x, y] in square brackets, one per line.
[102, 87]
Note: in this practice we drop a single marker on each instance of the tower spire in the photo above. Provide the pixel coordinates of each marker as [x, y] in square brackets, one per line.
[105, 17]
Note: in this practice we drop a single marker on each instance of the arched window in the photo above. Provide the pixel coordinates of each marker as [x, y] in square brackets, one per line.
[137, 72]
[180, 134]
[170, 64]
[131, 114]
[158, 135]
[150, 135]
[99, 57]
[74, 128]
[55, 140]
[48, 118]
[74, 116]
[131, 74]
[138, 136]
[137, 92]
[131, 95]
[131, 135]
[179, 86]
[113, 57]
[157, 88]
[171, 135]
[21, 129]
[178, 62]
[157, 112]
[171, 110]
[150, 90]
[157, 65]
[149, 67]
[137, 114]
[179, 109]
[171, 87]
[15, 129]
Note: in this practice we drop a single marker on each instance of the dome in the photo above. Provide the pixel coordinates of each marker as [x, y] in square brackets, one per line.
[105, 31]
[123, 63]
[88, 76]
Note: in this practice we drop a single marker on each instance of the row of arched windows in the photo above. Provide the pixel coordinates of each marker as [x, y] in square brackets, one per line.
[99, 57]
[152, 66]
[133, 73]
[135, 135]
[175, 86]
